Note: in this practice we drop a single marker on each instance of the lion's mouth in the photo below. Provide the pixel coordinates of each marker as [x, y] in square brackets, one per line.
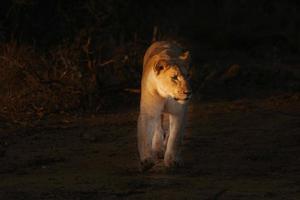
[181, 99]
[186, 96]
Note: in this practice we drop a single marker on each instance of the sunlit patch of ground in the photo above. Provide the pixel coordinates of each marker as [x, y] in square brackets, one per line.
[244, 149]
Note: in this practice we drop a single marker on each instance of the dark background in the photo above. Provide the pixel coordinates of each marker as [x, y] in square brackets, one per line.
[218, 23]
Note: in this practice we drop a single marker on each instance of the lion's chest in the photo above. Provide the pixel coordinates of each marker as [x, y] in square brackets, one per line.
[174, 107]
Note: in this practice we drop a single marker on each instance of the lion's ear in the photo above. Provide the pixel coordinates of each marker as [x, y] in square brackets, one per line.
[159, 66]
[185, 56]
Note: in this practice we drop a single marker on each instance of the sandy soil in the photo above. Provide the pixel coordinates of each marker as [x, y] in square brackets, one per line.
[243, 149]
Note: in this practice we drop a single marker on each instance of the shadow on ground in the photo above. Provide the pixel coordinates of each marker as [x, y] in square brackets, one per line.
[242, 149]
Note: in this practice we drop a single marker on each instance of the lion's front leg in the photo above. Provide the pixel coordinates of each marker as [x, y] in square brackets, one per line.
[146, 128]
[158, 141]
[172, 157]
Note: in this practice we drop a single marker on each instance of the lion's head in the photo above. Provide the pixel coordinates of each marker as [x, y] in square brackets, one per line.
[172, 78]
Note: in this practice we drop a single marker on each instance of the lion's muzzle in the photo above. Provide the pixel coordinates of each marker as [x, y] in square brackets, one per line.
[184, 96]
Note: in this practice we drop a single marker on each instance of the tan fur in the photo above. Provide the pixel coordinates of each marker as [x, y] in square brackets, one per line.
[164, 89]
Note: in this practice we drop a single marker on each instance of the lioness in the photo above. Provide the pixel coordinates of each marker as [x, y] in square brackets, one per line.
[164, 89]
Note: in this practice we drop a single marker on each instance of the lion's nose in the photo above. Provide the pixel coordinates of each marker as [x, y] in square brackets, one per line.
[188, 93]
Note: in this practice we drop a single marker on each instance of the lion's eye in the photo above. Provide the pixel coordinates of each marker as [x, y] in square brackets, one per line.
[174, 78]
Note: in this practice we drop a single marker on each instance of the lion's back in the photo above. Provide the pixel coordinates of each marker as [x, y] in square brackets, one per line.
[162, 48]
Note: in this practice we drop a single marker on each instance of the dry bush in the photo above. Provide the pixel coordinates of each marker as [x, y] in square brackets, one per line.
[27, 87]
[74, 76]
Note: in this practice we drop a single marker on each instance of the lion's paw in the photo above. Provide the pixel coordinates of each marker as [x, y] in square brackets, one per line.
[147, 164]
[158, 154]
[173, 163]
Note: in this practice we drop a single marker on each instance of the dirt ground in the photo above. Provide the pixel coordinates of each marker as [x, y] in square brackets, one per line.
[242, 149]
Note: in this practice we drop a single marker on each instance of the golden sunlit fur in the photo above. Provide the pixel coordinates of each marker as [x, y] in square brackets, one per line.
[165, 89]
